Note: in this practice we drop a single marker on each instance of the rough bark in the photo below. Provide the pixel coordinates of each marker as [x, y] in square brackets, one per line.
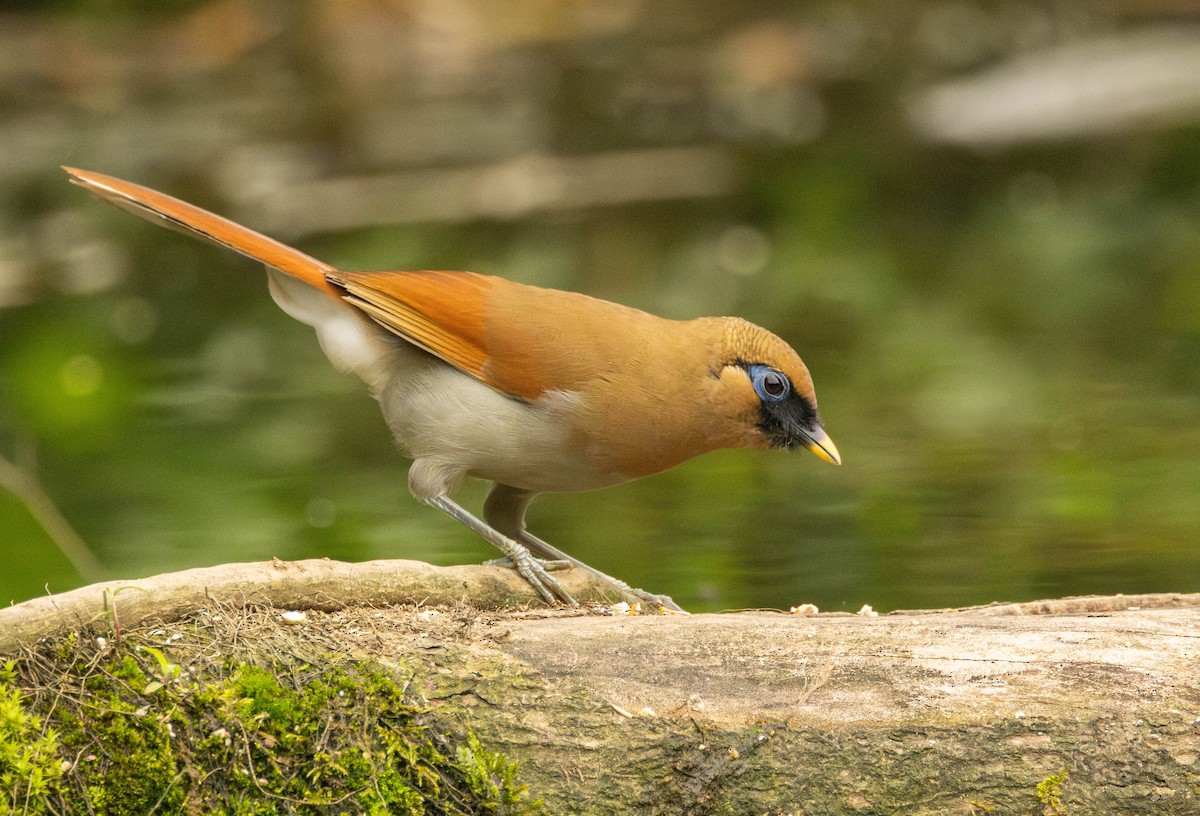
[320, 584]
[959, 711]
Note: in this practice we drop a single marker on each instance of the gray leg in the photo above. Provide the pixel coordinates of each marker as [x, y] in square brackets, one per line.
[505, 511]
[529, 567]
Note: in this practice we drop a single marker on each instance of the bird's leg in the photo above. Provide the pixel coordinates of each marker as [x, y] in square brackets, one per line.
[530, 568]
[505, 510]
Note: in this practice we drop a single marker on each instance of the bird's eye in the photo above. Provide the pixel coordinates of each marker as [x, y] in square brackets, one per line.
[770, 384]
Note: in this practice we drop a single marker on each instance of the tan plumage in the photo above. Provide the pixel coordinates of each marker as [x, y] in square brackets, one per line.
[535, 389]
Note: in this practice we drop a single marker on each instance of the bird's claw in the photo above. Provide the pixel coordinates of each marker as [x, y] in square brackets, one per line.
[663, 601]
[550, 565]
[534, 571]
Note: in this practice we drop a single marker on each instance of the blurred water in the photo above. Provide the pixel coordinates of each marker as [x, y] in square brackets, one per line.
[1004, 331]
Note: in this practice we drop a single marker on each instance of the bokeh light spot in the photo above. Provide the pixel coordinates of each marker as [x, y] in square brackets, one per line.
[82, 375]
[320, 512]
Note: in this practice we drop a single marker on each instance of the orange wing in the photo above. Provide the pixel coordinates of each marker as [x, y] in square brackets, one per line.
[520, 340]
[440, 312]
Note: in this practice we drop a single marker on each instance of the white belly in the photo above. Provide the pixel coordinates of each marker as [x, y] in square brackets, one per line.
[454, 426]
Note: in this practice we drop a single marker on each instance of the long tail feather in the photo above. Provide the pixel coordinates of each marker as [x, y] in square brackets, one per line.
[172, 213]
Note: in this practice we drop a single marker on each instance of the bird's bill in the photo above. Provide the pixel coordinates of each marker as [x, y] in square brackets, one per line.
[822, 446]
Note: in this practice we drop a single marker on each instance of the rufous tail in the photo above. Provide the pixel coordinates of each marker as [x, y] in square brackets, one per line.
[172, 213]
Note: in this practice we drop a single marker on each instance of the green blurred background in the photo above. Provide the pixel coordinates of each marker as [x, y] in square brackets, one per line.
[979, 223]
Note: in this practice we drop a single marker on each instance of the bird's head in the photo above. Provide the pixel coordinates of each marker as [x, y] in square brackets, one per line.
[766, 390]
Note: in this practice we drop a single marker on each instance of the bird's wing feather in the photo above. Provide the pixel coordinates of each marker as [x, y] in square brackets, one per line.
[520, 340]
[443, 313]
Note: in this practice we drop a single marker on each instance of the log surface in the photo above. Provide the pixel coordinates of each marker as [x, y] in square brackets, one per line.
[977, 710]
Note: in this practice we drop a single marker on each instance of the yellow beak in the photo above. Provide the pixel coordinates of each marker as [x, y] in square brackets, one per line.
[822, 447]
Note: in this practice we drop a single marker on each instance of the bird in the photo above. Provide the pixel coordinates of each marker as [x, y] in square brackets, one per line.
[536, 390]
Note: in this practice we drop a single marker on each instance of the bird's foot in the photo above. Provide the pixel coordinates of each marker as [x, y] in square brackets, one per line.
[656, 601]
[534, 571]
[653, 601]
[530, 568]
[547, 564]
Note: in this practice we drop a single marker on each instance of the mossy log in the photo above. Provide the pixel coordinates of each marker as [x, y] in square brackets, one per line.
[1088, 705]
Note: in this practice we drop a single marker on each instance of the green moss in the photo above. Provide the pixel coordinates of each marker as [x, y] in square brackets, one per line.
[30, 767]
[1049, 793]
[127, 763]
[126, 668]
[491, 776]
[234, 737]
